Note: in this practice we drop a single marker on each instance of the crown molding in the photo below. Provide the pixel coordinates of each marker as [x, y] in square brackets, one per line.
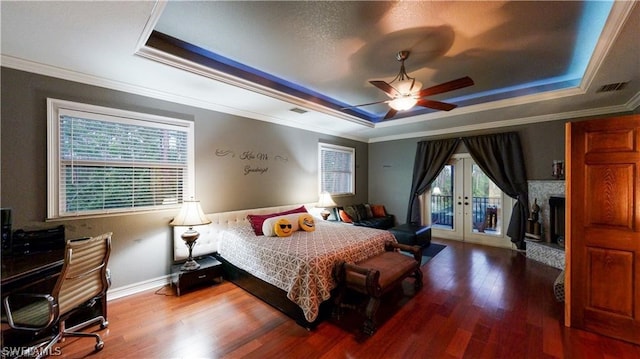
[634, 102]
[47, 70]
[165, 58]
[494, 105]
[513, 122]
[56, 72]
[620, 12]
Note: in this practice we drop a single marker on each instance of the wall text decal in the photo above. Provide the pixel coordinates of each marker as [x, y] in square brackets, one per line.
[258, 160]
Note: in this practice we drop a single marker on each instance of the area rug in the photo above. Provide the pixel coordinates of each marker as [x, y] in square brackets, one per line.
[428, 253]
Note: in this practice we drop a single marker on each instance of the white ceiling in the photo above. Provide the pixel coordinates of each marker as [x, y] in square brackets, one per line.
[332, 49]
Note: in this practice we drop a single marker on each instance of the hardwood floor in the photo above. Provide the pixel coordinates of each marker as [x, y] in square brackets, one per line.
[477, 302]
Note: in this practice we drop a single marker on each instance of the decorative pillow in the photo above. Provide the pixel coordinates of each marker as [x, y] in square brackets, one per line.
[367, 208]
[362, 212]
[257, 220]
[352, 212]
[378, 210]
[269, 224]
[282, 227]
[306, 222]
[344, 216]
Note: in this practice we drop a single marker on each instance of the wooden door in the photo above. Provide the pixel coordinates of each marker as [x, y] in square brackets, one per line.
[603, 254]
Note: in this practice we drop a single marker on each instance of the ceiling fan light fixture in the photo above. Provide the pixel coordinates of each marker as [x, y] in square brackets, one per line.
[404, 91]
[408, 86]
[403, 103]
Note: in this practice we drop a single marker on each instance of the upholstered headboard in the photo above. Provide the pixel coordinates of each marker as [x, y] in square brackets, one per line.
[208, 241]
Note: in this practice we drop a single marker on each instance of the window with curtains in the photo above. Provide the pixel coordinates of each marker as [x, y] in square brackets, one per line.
[337, 169]
[104, 160]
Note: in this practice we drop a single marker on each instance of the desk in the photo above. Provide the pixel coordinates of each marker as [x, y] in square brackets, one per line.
[34, 273]
[38, 273]
[22, 272]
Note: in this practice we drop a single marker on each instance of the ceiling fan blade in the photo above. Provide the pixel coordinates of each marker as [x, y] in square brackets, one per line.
[364, 104]
[385, 87]
[436, 105]
[447, 86]
[390, 114]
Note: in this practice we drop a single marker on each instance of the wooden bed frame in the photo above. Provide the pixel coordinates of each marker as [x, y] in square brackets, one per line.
[207, 244]
[271, 294]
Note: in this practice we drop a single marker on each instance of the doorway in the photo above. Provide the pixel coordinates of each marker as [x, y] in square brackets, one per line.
[465, 205]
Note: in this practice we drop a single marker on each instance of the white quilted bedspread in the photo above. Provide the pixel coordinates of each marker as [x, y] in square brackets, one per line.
[301, 264]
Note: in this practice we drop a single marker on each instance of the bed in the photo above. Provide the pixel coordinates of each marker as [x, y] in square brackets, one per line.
[293, 274]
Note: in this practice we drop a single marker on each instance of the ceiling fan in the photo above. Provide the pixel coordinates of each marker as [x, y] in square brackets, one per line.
[405, 92]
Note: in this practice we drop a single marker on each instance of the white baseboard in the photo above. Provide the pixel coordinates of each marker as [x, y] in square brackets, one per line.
[115, 293]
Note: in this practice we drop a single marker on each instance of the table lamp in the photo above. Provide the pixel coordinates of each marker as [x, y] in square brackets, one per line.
[190, 215]
[325, 202]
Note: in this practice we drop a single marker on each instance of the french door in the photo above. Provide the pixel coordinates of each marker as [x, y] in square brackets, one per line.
[464, 204]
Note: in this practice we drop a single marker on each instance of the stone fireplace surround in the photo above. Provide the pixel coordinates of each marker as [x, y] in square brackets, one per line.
[544, 251]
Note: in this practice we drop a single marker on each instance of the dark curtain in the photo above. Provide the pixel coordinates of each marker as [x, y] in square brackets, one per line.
[431, 156]
[500, 157]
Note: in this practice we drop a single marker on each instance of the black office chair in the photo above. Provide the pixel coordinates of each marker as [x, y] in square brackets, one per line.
[83, 280]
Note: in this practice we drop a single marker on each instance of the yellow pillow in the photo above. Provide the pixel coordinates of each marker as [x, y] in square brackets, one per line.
[306, 222]
[268, 225]
[283, 228]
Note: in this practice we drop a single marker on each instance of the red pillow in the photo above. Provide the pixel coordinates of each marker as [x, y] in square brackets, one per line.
[257, 220]
[344, 216]
[378, 210]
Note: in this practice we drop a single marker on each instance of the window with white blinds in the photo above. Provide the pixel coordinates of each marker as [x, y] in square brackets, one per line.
[104, 160]
[337, 169]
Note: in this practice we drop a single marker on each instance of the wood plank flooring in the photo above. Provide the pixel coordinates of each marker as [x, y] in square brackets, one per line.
[477, 302]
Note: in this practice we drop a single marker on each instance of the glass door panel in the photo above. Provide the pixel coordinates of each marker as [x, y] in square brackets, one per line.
[442, 199]
[464, 204]
[445, 203]
[486, 203]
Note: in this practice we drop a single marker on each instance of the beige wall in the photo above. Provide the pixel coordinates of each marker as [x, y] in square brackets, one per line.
[142, 248]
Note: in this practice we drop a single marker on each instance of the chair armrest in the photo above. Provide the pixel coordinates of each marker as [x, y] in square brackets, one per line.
[415, 250]
[24, 316]
[364, 280]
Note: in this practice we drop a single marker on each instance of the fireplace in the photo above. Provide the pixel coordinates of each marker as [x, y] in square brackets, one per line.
[556, 220]
[549, 248]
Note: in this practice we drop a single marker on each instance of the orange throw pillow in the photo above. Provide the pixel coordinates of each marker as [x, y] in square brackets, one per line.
[344, 216]
[378, 210]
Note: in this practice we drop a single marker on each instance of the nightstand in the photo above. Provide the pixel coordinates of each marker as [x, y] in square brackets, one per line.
[210, 269]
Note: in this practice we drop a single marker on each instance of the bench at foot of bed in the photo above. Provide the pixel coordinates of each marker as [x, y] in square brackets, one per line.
[375, 276]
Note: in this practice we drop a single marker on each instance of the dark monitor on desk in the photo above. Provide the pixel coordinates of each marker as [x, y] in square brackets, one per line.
[35, 241]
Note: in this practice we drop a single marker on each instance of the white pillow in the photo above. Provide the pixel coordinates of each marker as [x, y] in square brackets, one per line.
[267, 225]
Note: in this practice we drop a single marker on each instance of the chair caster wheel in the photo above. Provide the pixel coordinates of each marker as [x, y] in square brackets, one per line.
[99, 345]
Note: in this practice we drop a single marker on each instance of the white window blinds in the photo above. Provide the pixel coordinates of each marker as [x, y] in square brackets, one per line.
[106, 163]
[337, 168]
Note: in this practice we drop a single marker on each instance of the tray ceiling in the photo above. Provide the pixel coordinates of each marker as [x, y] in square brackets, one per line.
[530, 61]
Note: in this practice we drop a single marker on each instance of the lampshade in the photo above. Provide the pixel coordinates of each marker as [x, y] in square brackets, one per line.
[403, 103]
[326, 201]
[191, 214]
[409, 86]
[408, 97]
